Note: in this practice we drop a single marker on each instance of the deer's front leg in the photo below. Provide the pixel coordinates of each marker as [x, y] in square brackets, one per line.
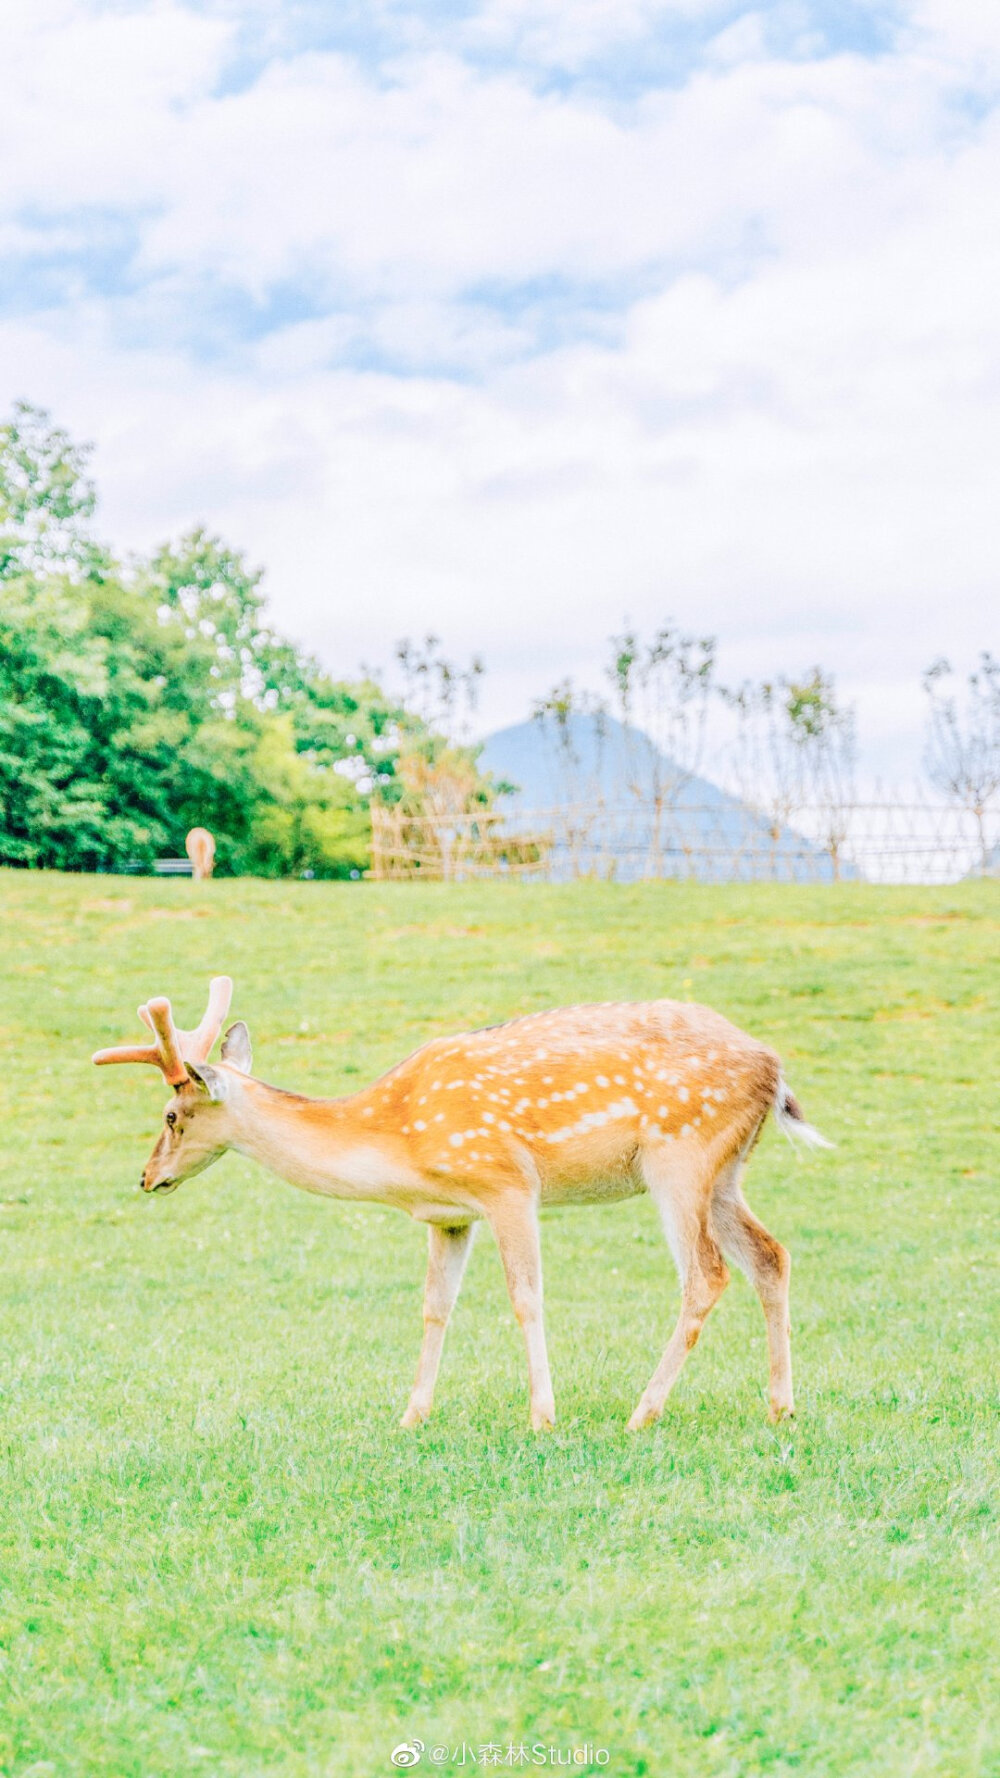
[447, 1253]
[514, 1221]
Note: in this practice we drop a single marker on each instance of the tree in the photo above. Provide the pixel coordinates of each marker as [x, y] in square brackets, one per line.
[559, 716]
[53, 674]
[663, 689]
[442, 695]
[435, 810]
[963, 740]
[140, 698]
[46, 499]
[824, 731]
[796, 746]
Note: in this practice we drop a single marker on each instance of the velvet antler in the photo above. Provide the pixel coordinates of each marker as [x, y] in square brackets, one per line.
[172, 1046]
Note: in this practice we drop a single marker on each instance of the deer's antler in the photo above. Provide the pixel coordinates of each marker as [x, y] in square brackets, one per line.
[172, 1046]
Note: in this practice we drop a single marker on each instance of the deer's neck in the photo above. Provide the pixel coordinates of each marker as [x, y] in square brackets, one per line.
[331, 1146]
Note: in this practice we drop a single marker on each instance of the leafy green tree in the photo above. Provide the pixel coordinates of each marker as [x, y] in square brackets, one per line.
[139, 699]
[46, 499]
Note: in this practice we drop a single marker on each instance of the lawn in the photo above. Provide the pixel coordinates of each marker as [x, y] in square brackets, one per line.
[220, 1554]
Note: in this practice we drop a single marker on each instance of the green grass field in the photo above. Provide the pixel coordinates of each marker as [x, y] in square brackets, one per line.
[219, 1553]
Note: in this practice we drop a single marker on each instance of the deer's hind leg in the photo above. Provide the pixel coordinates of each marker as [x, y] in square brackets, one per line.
[768, 1266]
[448, 1251]
[682, 1194]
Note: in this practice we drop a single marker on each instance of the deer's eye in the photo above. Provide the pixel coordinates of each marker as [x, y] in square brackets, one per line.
[171, 1118]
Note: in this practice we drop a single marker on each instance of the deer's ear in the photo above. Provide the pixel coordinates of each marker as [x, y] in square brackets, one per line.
[236, 1048]
[208, 1080]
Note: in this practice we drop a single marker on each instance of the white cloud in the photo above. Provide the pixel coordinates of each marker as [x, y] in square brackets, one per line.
[550, 31]
[965, 32]
[783, 427]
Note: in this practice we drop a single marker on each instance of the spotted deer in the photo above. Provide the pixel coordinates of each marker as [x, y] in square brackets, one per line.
[200, 848]
[583, 1105]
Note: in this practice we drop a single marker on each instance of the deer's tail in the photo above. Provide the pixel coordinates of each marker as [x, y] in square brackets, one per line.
[790, 1118]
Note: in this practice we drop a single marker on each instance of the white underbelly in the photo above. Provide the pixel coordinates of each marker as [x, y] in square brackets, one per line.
[448, 1216]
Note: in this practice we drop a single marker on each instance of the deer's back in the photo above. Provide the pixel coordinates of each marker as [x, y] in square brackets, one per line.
[573, 1097]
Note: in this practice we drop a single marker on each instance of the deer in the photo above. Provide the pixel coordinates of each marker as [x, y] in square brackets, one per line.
[200, 848]
[579, 1105]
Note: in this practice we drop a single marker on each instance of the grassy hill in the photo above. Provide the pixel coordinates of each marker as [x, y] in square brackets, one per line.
[219, 1554]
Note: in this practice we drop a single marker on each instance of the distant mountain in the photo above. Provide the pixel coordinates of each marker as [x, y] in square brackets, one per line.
[595, 780]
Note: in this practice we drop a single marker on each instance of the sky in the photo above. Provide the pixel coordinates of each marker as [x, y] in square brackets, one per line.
[515, 320]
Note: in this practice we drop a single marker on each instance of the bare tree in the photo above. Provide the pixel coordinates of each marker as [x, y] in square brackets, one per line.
[963, 740]
[441, 693]
[824, 731]
[766, 769]
[582, 788]
[796, 747]
[663, 689]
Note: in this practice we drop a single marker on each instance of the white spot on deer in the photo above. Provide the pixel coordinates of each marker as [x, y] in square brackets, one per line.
[456, 1139]
[419, 1124]
[683, 1095]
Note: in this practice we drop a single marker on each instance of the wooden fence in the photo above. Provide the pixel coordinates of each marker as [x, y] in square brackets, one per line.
[889, 841]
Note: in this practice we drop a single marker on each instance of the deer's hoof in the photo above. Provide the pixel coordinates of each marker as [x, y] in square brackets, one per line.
[543, 1419]
[778, 1411]
[415, 1416]
[643, 1416]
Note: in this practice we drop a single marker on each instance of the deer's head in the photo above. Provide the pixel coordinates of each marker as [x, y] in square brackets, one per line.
[198, 1123]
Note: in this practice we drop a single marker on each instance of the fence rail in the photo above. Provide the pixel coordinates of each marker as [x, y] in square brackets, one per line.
[893, 841]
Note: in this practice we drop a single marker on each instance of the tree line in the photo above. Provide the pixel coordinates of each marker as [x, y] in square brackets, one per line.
[142, 696]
